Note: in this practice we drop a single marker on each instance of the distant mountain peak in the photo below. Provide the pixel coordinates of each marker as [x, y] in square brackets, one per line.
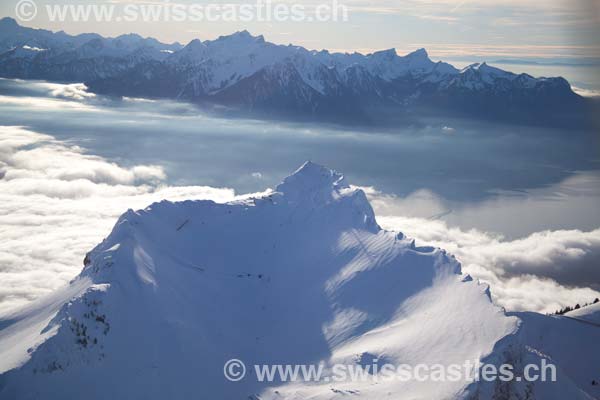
[195, 43]
[242, 36]
[388, 53]
[487, 71]
[242, 33]
[419, 53]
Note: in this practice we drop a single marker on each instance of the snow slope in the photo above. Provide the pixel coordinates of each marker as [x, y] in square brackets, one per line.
[589, 313]
[301, 275]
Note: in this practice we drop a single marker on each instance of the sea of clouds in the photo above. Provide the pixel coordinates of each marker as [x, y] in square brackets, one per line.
[542, 271]
[59, 198]
[57, 202]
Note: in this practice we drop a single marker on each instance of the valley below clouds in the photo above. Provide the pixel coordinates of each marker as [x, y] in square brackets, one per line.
[526, 223]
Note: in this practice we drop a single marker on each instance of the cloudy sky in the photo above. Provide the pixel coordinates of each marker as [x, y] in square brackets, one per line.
[549, 30]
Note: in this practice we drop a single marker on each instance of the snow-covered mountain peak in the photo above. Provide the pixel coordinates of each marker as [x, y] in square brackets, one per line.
[177, 289]
[482, 75]
[486, 70]
[315, 187]
[389, 66]
[310, 178]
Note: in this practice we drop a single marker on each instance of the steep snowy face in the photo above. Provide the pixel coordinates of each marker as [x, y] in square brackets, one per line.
[229, 59]
[301, 275]
[319, 185]
[225, 61]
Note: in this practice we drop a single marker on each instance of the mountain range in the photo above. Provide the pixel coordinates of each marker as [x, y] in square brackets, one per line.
[302, 274]
[243, 74]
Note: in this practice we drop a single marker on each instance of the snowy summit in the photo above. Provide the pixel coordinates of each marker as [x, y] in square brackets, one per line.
[301, 275]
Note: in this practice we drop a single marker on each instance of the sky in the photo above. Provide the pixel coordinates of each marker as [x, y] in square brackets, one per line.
[548, 30]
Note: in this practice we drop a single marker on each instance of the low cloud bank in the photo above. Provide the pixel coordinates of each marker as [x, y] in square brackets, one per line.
[57, 202]
[541, 272]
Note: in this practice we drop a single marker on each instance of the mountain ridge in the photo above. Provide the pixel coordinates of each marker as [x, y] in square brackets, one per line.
[302, 274]
[249, 75]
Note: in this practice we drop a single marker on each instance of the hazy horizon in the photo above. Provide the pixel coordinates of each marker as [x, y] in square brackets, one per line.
[476, 28]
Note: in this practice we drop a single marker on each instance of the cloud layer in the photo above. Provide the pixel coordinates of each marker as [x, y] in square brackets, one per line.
[57, 202]
[541, 272]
